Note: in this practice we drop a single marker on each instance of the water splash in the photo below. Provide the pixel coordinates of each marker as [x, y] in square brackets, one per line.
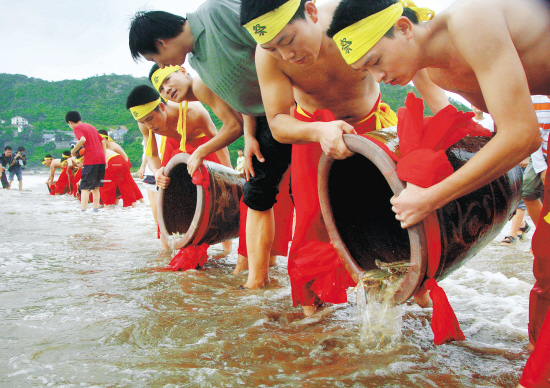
[380, 320]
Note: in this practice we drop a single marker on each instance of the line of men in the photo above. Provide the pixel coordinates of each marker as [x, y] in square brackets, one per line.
[95, 166]
[293, 60]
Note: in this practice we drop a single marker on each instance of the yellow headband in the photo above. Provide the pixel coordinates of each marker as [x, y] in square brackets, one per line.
[106, 137]
[160, 75]
[141, 111]
[266, 27]
[45, 160]
[356, 40]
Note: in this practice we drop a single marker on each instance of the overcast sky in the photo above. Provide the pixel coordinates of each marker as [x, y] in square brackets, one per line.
[75, 39]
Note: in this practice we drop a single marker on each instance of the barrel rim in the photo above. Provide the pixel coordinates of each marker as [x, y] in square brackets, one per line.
[192, 232]
[417, 236]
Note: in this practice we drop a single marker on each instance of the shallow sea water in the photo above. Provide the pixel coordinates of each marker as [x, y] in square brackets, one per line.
[83, 304]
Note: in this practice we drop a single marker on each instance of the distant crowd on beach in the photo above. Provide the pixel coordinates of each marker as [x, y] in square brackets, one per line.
[95, 168]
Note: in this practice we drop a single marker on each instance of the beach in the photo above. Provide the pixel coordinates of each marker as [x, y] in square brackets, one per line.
[85, 301]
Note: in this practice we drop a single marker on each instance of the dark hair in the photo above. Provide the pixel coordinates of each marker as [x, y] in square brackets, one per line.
[73, 116]
[7, 148]
[349, 12]
[21, 148]
[103, 132]
[66, 153]
[148, 27]
[152, 71]
[251, 9]
[140, 95]
[48, 156]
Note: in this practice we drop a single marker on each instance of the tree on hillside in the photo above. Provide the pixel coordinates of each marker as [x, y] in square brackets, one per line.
[35, 137]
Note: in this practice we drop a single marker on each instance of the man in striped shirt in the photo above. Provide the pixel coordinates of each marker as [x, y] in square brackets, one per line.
[535, 172]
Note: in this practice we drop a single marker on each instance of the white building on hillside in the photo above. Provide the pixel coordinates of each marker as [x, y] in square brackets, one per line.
[18, 120]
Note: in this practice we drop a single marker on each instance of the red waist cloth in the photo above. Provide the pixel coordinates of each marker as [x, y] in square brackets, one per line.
[539, 300]
[130, 179]
[283, 212]
[172, 147]
[537, 370]
[62, 184]
[117, 176]
[314, 267]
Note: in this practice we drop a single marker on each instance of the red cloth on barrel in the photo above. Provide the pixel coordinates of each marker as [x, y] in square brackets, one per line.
[444, 323]
[423, 141]
[423, 162]
[189, 258]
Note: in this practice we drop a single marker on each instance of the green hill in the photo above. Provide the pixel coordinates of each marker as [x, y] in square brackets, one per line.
[101, 102]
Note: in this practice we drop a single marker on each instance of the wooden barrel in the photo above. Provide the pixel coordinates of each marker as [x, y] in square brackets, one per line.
[355, 201]
[207, 213]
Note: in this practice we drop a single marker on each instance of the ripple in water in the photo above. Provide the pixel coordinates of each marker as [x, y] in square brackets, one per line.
[82, 305]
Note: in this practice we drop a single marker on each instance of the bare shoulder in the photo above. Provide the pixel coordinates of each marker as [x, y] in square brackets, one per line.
[496, 15]
[270, 69]
[464, 15]
[265, 60]
[196, 111]
[202, 92]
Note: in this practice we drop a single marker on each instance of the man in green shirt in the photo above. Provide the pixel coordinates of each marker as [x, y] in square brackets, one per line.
[222, 52]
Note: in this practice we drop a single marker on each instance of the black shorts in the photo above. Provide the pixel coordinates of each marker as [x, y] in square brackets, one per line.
[260, 191]
[92, 176]
[149, 179]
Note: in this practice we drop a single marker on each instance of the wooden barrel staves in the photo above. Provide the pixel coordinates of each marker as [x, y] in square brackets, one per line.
[207, 213]
[355, 201]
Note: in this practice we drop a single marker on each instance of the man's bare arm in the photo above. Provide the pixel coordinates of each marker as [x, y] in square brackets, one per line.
[251, 145]
[154, 161]
[52, 173]
[202, 120]
[141, 169]
[232, 121]
[104, 146]
[432, 94]
[278, 98]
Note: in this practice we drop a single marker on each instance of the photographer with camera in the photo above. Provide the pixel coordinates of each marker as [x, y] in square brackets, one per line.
[16, 167]
[5, 160]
